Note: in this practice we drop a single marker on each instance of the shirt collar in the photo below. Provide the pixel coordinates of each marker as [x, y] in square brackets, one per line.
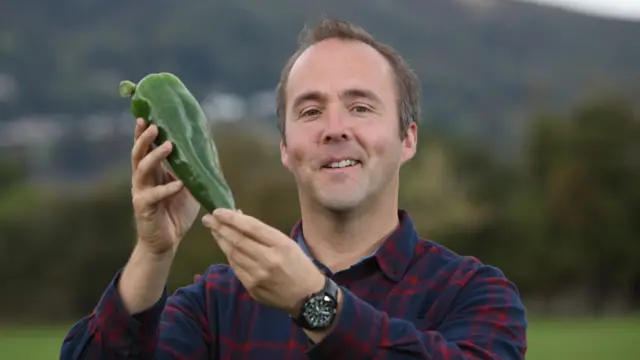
[394, 254]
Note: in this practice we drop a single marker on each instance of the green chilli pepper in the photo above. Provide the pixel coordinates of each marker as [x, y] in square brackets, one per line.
[163, 100]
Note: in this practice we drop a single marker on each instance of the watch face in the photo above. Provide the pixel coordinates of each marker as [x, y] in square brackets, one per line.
[319, 311]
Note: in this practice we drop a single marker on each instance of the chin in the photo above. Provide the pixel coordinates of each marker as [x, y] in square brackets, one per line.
[340, 203]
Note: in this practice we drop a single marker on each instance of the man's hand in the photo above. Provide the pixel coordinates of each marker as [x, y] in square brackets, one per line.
[271, 266]
[163, 211]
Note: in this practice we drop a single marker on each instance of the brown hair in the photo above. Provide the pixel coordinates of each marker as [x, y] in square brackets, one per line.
[406, 81]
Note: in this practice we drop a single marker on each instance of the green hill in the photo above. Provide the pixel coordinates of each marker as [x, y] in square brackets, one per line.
[484, 64]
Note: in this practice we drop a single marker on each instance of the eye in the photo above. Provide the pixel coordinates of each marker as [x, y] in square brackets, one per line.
[310, 112]
[361, 109]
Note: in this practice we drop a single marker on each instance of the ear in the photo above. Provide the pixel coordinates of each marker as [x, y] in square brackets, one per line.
[284, 156]
[410, 142]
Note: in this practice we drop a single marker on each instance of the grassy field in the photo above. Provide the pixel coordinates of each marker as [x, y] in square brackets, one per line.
[575, 339]
[584, 339]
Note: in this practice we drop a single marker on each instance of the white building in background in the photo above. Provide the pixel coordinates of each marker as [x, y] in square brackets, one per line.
[262, 105]
[228, 107]
[224, 107]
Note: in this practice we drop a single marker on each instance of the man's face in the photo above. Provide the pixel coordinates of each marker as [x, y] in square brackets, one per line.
[342, 129]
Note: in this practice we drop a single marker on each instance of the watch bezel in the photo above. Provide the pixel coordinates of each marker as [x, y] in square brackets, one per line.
[309, 307]
[329, 295]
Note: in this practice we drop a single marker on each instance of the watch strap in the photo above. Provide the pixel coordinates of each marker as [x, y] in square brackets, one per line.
[330, 289]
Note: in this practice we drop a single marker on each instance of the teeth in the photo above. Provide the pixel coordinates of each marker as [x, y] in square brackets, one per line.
[343, 163]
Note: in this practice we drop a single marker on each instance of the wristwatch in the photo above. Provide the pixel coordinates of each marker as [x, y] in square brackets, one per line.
[319, 310]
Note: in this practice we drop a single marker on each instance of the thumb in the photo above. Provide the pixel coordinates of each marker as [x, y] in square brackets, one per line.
[207, 220]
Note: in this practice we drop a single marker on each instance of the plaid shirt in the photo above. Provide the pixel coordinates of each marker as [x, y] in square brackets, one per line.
[412, 299]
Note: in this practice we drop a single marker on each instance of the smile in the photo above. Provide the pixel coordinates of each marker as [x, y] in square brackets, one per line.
[342, 164]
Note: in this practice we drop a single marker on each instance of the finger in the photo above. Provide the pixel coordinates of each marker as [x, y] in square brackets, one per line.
[236, 255]
[249, 226]
[162, 174]
[142, 145]
[254, 250]
[168, 172]
[147, 172]
[232, 239]
[154, 195]
[223, 244]
[141, 125]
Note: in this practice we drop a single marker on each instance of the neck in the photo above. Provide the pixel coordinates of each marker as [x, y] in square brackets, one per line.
[338, 240]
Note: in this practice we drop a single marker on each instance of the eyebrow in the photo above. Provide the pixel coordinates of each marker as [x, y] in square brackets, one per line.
[362, 94]
[347, 94]
[309, 96]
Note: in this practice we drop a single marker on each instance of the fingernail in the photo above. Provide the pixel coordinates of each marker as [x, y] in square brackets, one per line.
[221, 213]
[207, 220]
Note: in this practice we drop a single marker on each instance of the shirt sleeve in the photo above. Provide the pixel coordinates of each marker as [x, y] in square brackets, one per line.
[174, 327]
[487, 321]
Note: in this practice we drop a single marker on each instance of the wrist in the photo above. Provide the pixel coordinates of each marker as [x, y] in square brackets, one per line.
[318, 311]
[316, 336]
[144, 278]
[308, 289]
[144, 251]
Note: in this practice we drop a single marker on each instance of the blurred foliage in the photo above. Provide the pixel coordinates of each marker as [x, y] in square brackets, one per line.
[559, 222]
[481, 67]
[557, 212]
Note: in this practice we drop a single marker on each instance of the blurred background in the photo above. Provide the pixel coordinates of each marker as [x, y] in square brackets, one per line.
[529, 152]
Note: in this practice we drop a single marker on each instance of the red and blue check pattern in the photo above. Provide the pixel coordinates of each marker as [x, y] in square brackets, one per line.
[412, 299]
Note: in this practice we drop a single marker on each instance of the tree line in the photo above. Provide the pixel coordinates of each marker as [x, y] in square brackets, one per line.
[561, 218]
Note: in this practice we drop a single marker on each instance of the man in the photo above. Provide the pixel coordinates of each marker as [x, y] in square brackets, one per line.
[357, 282]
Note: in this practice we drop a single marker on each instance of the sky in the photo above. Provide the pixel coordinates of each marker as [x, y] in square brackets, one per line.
[626, 9]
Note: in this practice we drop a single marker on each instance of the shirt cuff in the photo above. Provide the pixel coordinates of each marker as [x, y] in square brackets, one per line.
[126, 333]
[357, 331]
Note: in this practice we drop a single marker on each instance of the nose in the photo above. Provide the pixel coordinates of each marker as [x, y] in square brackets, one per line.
[335, 129]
